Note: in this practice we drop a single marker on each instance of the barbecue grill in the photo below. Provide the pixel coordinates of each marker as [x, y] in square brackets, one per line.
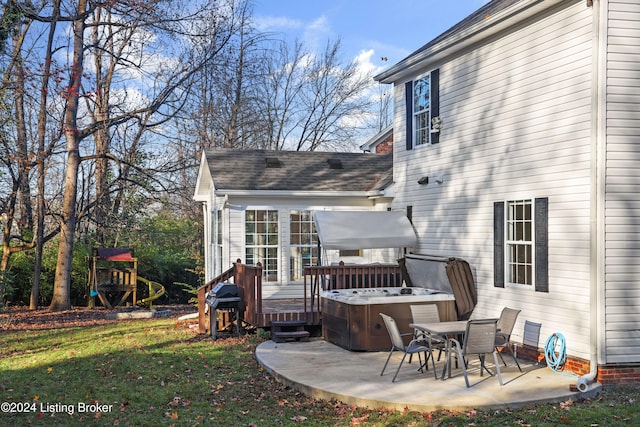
[223, 296]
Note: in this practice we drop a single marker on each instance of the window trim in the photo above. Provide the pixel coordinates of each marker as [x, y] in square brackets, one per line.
[434, 110]
[266, 246]
[511, 243]
[540, 214]
[417, 115]
[218, 246]
[313, 246]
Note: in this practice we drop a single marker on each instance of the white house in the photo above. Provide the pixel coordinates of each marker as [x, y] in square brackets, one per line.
[258, 206]
[517, 147]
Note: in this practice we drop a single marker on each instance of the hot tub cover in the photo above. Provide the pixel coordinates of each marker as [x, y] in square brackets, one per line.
[364, 229]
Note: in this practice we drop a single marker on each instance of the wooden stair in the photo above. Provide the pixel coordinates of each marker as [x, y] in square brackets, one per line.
[284, 330]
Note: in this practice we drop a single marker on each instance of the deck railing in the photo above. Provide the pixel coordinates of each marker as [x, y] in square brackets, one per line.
[248, 279]
[203, 324]
[347, 276]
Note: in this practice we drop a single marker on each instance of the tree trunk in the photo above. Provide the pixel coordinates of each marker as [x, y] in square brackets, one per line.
[62, 285]
[42, 129]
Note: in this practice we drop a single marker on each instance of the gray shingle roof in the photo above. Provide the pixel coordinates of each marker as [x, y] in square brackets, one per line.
[298, 170]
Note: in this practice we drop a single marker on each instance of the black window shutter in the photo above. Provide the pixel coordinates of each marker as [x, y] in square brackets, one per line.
[542, 244]
[435, 101]
[498, 244]
[408, 90]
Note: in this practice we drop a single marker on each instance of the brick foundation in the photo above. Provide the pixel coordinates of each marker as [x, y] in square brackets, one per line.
[607, 374]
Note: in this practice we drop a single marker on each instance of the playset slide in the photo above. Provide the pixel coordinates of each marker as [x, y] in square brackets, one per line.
[156, 290]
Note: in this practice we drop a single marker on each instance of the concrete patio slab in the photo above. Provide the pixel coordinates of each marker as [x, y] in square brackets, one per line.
[326, 371]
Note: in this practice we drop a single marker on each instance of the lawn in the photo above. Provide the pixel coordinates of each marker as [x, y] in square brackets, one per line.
[160, 372]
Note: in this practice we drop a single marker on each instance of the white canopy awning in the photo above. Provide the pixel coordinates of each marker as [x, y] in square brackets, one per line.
[364, 229]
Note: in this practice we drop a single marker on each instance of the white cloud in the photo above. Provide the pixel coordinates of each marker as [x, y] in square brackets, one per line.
[277, 23]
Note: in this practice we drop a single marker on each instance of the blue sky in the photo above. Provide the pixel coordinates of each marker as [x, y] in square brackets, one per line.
[391, 29]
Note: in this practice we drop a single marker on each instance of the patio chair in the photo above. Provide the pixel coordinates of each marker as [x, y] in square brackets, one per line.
[506, 322]
[530, 336]
[427, 313]
[479, 339]
[397, 344]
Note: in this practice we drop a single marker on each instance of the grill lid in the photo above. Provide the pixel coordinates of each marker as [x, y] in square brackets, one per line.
[223, 295]
[224, 290]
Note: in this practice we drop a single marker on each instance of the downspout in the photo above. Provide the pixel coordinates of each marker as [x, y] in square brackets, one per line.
[598, 138]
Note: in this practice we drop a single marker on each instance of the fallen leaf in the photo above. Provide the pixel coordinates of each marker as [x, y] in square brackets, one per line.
[298, 418]
[358, 420]
[566, 404]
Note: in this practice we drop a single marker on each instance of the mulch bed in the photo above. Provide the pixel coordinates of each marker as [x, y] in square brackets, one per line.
[21, 318]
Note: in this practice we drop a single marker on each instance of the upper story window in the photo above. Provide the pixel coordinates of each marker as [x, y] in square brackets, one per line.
[423, 121]
[421, 110]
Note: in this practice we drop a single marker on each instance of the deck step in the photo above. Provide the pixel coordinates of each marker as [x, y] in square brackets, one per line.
[281, 331]
[283, 336]
[288, 323]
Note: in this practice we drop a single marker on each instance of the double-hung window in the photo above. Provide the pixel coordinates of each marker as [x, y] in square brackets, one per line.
[521, 243]
[261, 241]
[218, 242]
[423, 110]
[303, 243]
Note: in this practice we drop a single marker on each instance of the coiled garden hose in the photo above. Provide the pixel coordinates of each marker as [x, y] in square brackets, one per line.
[555, 351]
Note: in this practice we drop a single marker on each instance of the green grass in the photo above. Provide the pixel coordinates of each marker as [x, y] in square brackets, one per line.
[156, 373]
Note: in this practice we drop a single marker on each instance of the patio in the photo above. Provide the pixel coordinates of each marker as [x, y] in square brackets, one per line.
[325, 371]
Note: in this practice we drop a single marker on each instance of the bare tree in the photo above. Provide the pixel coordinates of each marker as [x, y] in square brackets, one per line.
[313, 102]
[41, 157]
[169, 81]
[224, 113]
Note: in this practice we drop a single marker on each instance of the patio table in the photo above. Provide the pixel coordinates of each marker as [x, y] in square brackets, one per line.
[443, 329]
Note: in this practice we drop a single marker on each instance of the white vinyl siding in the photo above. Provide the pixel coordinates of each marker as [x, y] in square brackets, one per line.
[516, 123]
[622, 181]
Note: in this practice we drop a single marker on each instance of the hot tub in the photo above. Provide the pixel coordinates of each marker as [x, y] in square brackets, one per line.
[351, 317]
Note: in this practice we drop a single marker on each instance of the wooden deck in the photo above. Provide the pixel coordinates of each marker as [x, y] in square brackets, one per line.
[261, 312]
[277, 310]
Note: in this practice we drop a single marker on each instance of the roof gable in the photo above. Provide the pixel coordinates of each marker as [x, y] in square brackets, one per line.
[260, 170]
[488, 20]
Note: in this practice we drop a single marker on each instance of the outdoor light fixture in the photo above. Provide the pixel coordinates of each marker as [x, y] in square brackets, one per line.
[436, 124]
[423, 180]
